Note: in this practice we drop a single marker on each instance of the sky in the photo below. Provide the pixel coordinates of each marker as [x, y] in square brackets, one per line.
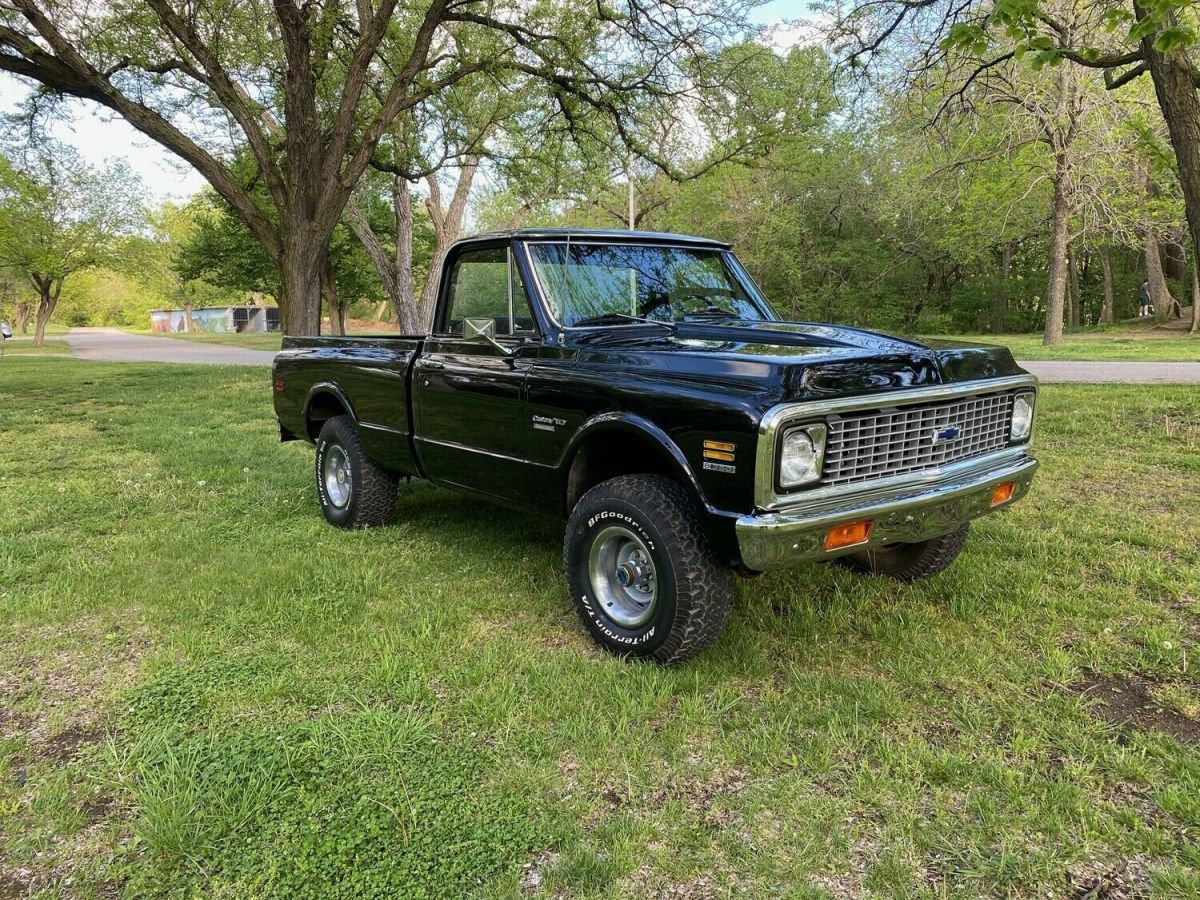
[100, 136]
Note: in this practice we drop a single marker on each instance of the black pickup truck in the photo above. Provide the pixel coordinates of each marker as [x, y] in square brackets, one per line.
[641, 386]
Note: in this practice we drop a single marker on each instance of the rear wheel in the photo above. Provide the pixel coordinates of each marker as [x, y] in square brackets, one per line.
[354, 490]
[910, 562]
[640, 573]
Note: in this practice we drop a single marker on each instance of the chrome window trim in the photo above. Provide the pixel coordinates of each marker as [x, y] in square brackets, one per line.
[786, 414]
[737, 270]
[508, 260]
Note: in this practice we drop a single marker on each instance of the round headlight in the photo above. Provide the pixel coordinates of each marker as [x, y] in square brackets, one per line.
[1022, 417]
[800, 456]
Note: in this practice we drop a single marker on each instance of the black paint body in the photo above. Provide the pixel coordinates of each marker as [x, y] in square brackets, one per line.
[463, 413]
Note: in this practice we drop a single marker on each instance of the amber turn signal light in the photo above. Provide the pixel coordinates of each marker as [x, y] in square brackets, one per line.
[847, 535]
[1002, 493]
[719, 450]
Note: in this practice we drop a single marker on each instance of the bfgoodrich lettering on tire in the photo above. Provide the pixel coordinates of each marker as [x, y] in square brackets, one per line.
[640, 573]
[354, 491]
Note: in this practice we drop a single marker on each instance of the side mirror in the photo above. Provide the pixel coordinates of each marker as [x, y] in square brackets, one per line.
[481, 330]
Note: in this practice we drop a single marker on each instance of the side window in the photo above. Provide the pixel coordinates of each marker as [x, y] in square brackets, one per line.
[479, 287]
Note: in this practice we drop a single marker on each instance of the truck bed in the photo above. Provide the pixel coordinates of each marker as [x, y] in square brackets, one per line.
[366, 374]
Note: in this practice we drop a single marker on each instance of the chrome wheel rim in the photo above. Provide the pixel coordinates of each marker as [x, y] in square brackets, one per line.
[338, 482]
[623, 578]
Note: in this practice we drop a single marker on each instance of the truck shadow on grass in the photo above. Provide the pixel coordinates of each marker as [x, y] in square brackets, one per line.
[794, 608]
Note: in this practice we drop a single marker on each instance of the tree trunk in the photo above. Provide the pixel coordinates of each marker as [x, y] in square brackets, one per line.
[1108, 311]
[1175, 87]
[405, 300]
[48, 291]
[394, 272]
[430, 288]
[333, 305]
[21, 315]
[1059, 240]
[1195, 327]
[1160, 293]
[301, 268]
[1075, 316]
[187, 318]
[1000, 291]
[632, 220]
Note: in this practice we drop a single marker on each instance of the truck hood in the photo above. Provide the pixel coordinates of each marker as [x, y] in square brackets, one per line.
[790, 360]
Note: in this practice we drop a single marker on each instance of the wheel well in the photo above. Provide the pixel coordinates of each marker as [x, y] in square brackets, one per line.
[321, 407]
[612, 453]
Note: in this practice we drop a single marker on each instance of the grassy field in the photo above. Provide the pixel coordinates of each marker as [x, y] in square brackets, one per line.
[23, 346]
[1117, 344]
[204, 690]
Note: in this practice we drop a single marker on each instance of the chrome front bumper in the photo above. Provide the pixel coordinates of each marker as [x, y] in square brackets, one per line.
[926, 507]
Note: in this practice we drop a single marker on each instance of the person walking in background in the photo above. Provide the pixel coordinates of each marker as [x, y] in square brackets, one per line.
[5, 334]
[1144, 298]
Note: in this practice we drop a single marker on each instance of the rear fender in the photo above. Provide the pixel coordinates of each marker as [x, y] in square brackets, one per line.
[324, 391]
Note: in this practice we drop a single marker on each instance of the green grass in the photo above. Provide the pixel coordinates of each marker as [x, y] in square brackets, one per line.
[205, 690]
[23, 346]
[264, 341]
[1135, 344]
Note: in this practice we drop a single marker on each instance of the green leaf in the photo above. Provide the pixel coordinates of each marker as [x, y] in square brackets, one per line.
[1176, 36]
[1143, 28]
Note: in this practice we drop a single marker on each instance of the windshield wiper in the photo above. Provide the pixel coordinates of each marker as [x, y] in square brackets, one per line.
[711, 312]
[612, 318]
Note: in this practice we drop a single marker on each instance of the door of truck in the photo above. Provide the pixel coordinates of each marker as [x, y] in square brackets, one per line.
[469, 392]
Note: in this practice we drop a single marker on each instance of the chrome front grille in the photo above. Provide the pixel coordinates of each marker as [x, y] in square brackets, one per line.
[883, 442]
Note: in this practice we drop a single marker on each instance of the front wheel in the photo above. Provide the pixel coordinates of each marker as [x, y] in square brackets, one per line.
[355, 491]
[640, 573]
[910, 562]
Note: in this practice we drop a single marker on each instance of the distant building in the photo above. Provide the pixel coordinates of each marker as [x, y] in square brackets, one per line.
[226, 319]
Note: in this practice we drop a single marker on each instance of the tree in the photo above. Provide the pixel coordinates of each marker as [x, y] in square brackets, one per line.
[309, 90]
[1124, 38]
[11, 296]
[57, 216]
[463, 125]
[217, 249]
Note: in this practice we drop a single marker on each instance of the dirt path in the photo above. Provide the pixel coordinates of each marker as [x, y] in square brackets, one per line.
[1052, 371]
[114, 345]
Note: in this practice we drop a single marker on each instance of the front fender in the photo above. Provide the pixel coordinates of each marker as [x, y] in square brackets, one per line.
[630, 423]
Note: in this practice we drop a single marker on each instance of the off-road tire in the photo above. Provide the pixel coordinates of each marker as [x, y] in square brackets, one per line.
[694, 590]
[910, 562]
[373, 488]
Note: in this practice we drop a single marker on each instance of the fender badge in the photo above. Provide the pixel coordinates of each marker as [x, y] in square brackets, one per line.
[720, 467]
[547, 423]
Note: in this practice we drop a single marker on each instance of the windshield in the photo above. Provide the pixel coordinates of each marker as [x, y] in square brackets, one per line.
[613, 284]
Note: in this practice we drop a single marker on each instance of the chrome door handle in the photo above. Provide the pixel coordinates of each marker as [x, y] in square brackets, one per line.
[432, 364]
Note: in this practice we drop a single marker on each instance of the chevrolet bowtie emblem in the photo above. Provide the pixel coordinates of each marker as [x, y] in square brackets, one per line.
[946, 434]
